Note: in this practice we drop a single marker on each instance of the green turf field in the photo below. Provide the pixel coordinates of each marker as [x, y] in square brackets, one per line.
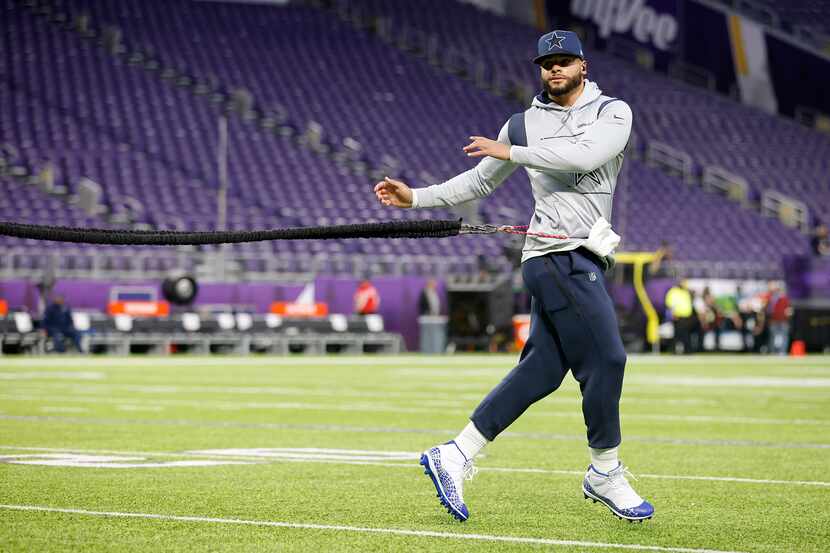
[320, 454]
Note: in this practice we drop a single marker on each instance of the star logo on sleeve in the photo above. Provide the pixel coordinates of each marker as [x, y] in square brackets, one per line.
[555, 40]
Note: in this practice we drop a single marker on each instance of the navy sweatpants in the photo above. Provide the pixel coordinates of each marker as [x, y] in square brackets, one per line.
[572, 327]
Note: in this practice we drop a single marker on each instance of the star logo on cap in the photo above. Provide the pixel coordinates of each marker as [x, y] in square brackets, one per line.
[555, 40]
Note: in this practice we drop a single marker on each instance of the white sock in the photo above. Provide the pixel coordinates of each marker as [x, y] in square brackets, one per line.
[604, 460]
[470, 441]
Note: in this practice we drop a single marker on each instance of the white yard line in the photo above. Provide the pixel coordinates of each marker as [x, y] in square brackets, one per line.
[58, 375]
[87, 461]
[671, 477]
[363, 457]
[444, 398]
[158, 404]
[130, 408]
[361, 429]
[472, 362]
[365, 530]
[432, 390]
[728, 381]
[226, 405]
[117, 363]
[638, 378]
[63, 409]
[489, 367]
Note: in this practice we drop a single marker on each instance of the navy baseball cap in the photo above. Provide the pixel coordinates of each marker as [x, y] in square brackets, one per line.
[559, 42]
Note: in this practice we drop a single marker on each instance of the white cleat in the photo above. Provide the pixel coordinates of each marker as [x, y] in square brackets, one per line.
[614, 491]
[448, 468]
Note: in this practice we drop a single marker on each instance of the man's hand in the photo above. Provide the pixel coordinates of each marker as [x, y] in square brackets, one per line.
[482, 146]
[393, 192]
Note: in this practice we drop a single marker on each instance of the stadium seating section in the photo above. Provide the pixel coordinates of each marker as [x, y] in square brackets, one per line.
[812, 16]
[136, 111]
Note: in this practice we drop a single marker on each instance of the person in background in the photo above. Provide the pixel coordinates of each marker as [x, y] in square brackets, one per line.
[433, 327]
[820, 241]
[680, 310]
[698, 321]
[429, 303]
[712, 316]
[745, 316]
[485, 271]
[760, 332]
[778, 317]
[57, 322]
[366, 299]
[663, 258]
[732, 321]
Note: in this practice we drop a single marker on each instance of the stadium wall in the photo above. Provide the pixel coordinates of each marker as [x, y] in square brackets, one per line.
[398, 307]
[762, 66]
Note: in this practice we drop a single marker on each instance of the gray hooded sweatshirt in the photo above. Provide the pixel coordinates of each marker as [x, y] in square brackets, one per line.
[572, 157]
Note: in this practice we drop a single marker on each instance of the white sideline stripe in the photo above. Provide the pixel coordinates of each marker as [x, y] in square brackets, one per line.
[360, 429]
[493, 368]
[423, 398]
[436, 398]
[132, 408]
[310, 454]
[471, 360]
[65, 375]
[732, 381]
[365, 529]
[71, 460]
[315, 456]
[104, 363]
[115, 465]
[157, 404]
[59, 409]
[134, 404]
[437, 390]
[669, 477]
[636, 378]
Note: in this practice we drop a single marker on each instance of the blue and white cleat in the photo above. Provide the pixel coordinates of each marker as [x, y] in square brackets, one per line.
[614, 491]
[447, 466]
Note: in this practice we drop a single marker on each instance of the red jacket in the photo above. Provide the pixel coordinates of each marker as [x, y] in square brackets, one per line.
[779, 308]
[366, 299]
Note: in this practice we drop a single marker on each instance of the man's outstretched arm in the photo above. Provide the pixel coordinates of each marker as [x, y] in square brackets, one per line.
[478, 182]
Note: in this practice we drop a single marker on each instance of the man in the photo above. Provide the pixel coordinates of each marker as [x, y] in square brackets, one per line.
[57, 321]
[778, 313]
[432, 326]
[820, 240]
[712, 316]
[429, 303]
[570, 142]
[663, 256]
[680, 308]
[366, 299]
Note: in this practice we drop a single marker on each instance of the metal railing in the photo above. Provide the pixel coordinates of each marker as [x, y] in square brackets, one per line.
[33, 263]
[734, 187]
[760, 270]
[789, 211]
